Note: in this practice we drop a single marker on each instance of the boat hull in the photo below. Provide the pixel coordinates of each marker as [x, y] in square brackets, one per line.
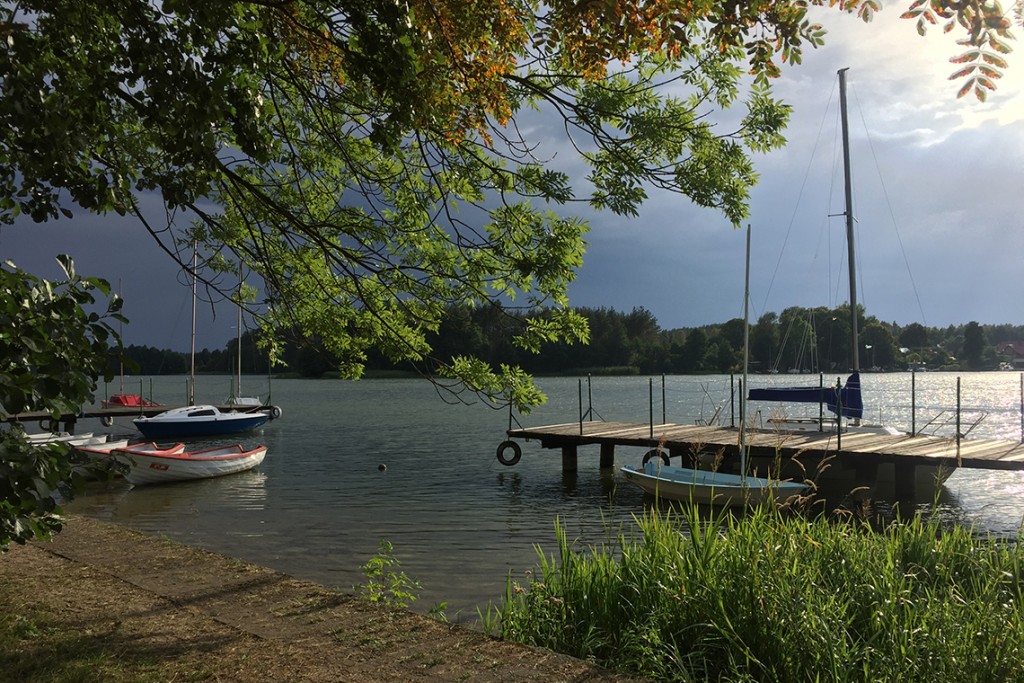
[705, 487]
[155, 468]
[100, 460]
[127, 401]
[199, 421]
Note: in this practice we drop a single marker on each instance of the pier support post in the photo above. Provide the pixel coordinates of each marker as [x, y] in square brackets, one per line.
[905, 480]
[607, 456]
[569, 458]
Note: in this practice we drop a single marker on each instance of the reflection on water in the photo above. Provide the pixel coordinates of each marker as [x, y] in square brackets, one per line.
[459, 521]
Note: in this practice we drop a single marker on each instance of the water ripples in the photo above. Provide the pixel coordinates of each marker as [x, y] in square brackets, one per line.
[459, 521]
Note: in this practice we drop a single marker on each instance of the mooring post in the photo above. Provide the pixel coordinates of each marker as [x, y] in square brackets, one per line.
[839, 415]
[743, 404]
[957, 420]
[650, 405]
[580, 388]
[607, 455]
[663, 408]
[569, 458]
[821, 407]
[1022, 407]
[732, 400]
[904, 480]
[913, 403]
[590, 399]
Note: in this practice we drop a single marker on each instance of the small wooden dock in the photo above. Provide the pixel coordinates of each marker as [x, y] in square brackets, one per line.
[850, 449]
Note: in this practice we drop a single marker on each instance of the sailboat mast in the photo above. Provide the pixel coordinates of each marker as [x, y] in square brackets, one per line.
[746, 359]
[848, 184]
[238, 349]
[192, 379]
[120, 334]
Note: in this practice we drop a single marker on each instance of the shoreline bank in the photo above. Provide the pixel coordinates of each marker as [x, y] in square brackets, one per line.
[142, 600]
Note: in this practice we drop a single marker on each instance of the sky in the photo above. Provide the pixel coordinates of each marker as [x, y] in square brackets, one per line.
[938, 198]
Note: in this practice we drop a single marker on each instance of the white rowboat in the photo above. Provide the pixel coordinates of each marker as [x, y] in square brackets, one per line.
[159, 468]
[705, 487]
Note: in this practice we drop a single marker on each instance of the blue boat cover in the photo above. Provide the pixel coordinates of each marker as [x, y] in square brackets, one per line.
[833, 397]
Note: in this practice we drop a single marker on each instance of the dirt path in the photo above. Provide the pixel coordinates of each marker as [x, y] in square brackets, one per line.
[143, 599]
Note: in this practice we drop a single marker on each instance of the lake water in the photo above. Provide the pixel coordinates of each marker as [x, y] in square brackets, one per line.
[459, 521]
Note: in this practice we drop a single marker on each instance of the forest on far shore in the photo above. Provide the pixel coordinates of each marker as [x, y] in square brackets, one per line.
[800, 339]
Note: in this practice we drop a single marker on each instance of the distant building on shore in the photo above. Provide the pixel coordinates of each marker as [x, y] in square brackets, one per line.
[1012, 355]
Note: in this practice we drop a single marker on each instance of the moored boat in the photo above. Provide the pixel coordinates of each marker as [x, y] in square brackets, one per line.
[201, 420]
[158, 468]
[127, 401]
[709, 488]
[62, 437]
[712, 487]
[101, 456]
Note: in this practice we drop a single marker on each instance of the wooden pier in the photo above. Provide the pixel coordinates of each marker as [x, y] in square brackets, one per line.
[864, 454]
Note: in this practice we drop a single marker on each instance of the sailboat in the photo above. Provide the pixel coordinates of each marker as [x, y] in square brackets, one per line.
[845, 475]
[199, 420]
[841, 400]
[710, 487]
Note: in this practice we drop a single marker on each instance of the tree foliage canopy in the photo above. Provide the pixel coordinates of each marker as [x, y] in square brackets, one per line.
[377, 163]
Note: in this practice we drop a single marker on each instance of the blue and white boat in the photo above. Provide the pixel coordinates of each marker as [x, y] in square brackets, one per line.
[201, 420]
[706, 487]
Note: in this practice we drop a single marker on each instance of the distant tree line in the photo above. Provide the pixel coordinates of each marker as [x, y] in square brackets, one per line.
[801, 339]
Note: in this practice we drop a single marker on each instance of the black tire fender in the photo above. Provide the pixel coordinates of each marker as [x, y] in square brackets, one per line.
[517, 453]
[107, 421]
[275, 413]
[656, 453]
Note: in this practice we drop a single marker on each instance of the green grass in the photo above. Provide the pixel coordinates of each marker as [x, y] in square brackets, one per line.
[33, 651]
[776, 597]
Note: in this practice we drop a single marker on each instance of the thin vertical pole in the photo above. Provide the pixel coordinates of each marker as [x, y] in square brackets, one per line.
[958, 419]
[1022, 407]
[821, 406]
[650, 405]
[120, 335]
[663, 408]
[192, 383]
[839, 415]
[590, 399]
[743, 410]
[732, 400]
[746, 360]
[238, 350]
[848, 181]
[913, 403]
[580, 390]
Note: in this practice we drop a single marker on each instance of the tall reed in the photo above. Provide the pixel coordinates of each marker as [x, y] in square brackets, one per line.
[776, 597]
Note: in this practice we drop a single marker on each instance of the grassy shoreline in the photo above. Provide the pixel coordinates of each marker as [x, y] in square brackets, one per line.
[772, 596]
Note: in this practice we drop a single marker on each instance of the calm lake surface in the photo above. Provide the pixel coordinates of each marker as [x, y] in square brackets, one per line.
[459, 521]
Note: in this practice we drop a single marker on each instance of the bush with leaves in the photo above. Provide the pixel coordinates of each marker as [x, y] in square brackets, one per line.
[53, 348]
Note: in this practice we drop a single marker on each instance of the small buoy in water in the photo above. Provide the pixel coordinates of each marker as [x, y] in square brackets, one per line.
[382, 467]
